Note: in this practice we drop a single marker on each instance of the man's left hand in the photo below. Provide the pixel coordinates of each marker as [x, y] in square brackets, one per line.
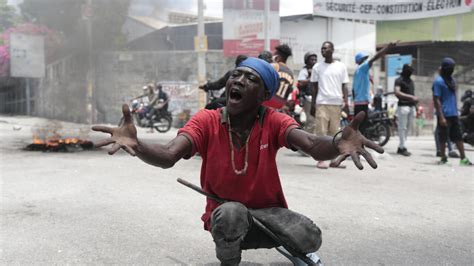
[352, 143]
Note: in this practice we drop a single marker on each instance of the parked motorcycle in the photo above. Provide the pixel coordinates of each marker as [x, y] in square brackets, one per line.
[378, 126]
[162, 120]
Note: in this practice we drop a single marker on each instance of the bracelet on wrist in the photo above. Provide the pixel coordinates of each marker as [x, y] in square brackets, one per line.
[334, 140]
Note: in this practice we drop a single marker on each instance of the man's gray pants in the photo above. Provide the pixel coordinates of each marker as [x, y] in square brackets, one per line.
[405, 115]
[233, 231]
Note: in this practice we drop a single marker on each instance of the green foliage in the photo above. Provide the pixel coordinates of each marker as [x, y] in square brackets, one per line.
[7, 15]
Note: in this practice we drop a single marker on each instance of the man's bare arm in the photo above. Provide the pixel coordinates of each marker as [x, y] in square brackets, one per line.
[345, 98]
[314, 94]
[439, 111]
[164, 156]
[405, 96]
[320, 148]
[382, 52]
[349, 143]
[125, 137]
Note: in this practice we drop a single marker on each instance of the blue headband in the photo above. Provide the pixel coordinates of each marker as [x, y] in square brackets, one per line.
[265, 70]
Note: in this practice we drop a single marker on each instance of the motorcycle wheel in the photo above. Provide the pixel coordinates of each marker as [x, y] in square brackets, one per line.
[162, 124]
[383, 134]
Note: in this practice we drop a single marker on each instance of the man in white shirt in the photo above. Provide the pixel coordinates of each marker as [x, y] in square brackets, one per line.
[328, 80]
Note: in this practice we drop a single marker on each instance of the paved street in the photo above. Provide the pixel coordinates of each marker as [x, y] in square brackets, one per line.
[92, 208]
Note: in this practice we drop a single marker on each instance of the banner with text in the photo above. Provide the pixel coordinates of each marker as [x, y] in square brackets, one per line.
[390, 9]
[243, 25]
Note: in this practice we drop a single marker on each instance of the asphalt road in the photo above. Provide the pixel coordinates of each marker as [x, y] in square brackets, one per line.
[91, 208]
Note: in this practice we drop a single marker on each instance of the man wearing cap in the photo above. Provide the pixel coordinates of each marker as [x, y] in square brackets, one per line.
[310, 59]
[361, 82]
[445, 102]
[245, 136]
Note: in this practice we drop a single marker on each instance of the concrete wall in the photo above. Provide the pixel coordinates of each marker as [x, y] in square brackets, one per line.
[61, 94]
[123, 74]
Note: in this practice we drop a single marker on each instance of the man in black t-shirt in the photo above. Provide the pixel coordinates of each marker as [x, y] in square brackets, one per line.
[405, 92]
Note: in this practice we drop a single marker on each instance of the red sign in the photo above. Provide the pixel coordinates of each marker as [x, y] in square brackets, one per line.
[244, 26]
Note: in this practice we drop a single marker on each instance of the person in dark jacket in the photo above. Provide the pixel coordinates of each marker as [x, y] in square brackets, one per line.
[218, 85]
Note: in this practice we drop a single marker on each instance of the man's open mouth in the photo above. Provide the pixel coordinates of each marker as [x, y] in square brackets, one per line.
[235, 95]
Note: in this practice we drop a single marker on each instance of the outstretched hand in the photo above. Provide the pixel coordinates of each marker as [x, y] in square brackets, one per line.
[124, 137]
[352, 143]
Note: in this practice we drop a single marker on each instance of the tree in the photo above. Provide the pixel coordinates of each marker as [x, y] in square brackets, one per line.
[7, 15]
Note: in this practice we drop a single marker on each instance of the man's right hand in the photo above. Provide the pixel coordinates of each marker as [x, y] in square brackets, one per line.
[443, 122]
[123, 137]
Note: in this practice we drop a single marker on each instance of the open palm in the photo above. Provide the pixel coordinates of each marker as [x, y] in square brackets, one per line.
[124, 137]
[352, 143]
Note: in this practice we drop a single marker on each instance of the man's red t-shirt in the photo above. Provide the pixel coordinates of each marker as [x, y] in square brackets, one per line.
[260, 187]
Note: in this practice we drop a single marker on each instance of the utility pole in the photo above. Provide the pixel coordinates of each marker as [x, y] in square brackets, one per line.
[266, 24]
[87, 13]
[201, 50]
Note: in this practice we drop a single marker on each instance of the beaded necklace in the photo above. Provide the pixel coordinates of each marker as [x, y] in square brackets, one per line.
[232, 156]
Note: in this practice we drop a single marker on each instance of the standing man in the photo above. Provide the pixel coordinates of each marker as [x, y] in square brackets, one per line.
[445, 102]
[304, 86]
[246, 137]
[286, 79]
[361, 83]
[329, 82]
[405, 92]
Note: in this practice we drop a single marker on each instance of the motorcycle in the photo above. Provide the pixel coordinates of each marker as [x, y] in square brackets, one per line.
[161, 120]
[296, 111]
[378, 126]
[214, 102]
